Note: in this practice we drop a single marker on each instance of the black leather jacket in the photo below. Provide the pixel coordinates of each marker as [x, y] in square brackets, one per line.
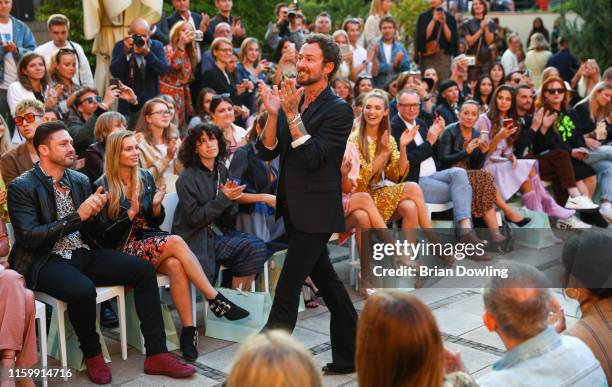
[33, 212]
[114, 233]
[451, 150]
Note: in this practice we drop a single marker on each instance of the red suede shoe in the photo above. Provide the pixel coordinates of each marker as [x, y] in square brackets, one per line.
[165, 364]
[97, 370]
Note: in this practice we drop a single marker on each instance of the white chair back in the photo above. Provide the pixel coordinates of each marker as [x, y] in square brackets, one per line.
[170, 202]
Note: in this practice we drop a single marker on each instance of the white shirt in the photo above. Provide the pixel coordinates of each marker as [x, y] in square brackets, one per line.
[509, 61]
[10, 67]
[360, 55]
[387, 49]
[428, 166]
[49, 49]
[15, 94]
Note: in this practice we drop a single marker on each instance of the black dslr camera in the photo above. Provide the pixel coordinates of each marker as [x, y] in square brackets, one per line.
[138, 40]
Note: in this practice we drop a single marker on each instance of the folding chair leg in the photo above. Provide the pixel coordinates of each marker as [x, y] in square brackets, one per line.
[61, 329]
[122, 325]
[266, 279]
[194, 305]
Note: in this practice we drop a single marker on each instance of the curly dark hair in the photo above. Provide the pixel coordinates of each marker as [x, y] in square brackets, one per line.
[187, 154]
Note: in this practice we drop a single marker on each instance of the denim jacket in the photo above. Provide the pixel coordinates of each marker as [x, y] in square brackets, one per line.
[548, 359]
[23, 39]
[386, 72]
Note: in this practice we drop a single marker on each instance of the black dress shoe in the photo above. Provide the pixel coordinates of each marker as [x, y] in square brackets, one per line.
[333, 369]
[108, 317]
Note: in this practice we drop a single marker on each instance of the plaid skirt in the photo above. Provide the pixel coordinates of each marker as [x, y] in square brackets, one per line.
[243, 253]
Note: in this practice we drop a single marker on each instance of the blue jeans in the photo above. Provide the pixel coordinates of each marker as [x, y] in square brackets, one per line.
[449, 185]
[601, 161]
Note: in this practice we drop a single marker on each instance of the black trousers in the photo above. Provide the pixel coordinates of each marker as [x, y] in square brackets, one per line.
[74, 281]
[307, 255]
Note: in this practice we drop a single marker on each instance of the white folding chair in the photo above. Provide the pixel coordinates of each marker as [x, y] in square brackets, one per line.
[41, 318]
[170, 202]
[431, 207]
[104, 293]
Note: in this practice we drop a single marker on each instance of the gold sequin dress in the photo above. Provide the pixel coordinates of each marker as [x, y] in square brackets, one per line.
[386, 199]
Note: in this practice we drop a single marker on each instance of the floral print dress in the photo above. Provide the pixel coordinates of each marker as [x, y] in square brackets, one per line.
[176, 82]
[150, 248]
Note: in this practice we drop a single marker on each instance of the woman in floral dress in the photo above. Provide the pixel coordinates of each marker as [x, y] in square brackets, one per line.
[181, 55]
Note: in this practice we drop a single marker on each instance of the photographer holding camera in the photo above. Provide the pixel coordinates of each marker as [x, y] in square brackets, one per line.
[138, 62]
[289, 22]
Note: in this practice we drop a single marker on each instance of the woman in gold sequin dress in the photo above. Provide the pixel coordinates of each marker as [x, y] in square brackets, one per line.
[382, 165]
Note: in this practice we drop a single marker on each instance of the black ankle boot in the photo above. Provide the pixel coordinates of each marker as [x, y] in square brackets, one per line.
[222, 307]
[189, 343]
[108, 317]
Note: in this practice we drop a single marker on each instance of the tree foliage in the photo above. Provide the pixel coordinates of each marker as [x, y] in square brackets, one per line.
[590, 35]
[406, 12]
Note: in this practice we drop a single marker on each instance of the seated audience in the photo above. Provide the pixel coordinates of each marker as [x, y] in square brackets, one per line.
[202, 109]
[276, 358]
[389, 355]
[131, 222]
[28, 116]
[61, 71]
[138, 63]
[587, 76]
[218, 78]
[32, 83]
[251, 69]
[5, 146]
[160, 143]
[498, 75]
[66, 267]
[517, 309]
[205, 218]
[222, 113]
[342, 87]
[448, 101]
[483, 92]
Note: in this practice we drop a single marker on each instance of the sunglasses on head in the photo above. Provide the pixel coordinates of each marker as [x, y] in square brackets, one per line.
[91, 99]
[64, 51]
[28, 117]
[555, 91]
[221, 96]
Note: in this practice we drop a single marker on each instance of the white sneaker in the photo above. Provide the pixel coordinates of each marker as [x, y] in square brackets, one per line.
[580, 203]
[572, 222]
[606, 212]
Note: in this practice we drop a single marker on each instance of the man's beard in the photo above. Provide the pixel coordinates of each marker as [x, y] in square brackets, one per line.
[310, 79]
[63, 161]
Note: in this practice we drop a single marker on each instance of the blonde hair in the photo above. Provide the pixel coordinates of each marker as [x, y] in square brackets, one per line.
[55, 59]
[376, 8]
[217, 42]
[384, 125]
[340, 33]
[597, 111]
[5, 141]
[114, 145]
[143, 126]
[27, 104]
[244, 47]
[105, 122]
[275, 359]
[174, 38]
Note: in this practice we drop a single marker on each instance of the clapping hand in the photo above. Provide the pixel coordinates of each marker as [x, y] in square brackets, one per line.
[270, 98]
[232, 190]
[159, 196]
[92, 205]
[290, 96]
[408, 135]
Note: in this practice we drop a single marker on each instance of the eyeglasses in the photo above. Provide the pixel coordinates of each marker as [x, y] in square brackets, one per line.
[220, 96]
[555, 91]
[161, 113]
[91, 99]
[224, 49]
[28, 117]
[409, 105]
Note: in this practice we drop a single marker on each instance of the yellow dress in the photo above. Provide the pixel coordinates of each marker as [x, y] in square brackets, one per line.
[386, 199]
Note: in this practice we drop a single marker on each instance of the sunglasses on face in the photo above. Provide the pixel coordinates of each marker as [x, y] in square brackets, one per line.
[555, 91]
[28, 117]
[91, 99]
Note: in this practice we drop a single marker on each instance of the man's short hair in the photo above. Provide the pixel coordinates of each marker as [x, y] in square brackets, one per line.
[408, 91]
[323, 14]
[512, 36]
[351, 20]
[79, 94]
[29, 104]
[57, 20]
[331, 51]
[278, 8]
[519, 303]
[46, 130]
[387, 19]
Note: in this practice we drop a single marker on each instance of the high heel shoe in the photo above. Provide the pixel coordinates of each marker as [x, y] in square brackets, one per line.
[521, 223]
[222, 307]
[503, 246]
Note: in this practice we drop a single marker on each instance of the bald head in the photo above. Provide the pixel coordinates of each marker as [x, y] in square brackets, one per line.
[223, 30]
[139, 26]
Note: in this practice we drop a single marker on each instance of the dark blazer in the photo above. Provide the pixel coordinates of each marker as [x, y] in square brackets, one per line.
[451, 151]
[310, 179]
[416, 153]
[114, 233]
[146, 86]
[215, 79]
[199, 208]
[33, 211]
[247, 168]
[161, 31]
[565, 62]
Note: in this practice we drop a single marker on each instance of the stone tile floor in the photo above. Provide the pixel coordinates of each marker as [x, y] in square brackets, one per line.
[457, 310]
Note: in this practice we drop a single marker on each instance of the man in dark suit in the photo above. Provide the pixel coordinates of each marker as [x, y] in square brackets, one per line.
[310, 134]
[564, 61]
[139, 64]
[438, 186]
